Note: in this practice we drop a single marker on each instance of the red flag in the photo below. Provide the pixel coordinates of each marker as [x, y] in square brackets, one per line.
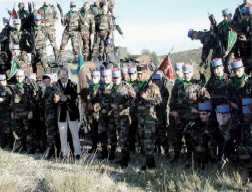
[13, 14]
[166, 67]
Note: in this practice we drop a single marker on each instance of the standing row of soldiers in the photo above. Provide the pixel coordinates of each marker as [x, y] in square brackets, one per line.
[25, 41]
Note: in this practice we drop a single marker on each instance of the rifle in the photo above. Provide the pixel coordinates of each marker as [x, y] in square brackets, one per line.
[117, 27]
[61, 13]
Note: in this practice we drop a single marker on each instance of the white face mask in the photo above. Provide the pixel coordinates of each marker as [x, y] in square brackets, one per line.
[96, 79]
[223, 118]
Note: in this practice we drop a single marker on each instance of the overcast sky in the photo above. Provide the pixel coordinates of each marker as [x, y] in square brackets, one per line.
[155, 25]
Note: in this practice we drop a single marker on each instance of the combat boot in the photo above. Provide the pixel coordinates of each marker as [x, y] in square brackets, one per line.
[150, 163]
[112, 153]
[104, 153]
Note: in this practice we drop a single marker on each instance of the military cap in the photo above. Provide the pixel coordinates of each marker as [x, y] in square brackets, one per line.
[187, 68]
[223, 109]
[46, 76]
[236, 64]
[116, 73]
[157, 76]
[246, 101]
[2, 77]
[206, 106]
[179, 66]
[216, 62]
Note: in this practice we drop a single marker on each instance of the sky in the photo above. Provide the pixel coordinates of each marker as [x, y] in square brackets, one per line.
[156, 25]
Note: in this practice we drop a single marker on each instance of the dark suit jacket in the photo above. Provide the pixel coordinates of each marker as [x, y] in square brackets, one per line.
[71, 104]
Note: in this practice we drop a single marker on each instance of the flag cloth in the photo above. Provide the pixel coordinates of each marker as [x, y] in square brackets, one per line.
[232, 38]
[80, 62]
[14, 67]
[167, 64]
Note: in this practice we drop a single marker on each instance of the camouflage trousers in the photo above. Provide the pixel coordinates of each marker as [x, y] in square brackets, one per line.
[40, 57]
[123, 132]
[86, 45]
[100, 48]
[140, 125]
[51, 133]
[6, 138]
[75, 41]
[50, 34]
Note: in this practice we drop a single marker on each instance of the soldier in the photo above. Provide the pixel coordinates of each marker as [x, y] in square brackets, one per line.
[203, 136]
[49, 115]
[185, 95]
[49, 18]
[94, 107]
[236, 85]
[6, 138]
[238, 15]
[179, 72]
[40, 55]
[21, 113]
[22, 13]
[103, 33]
[105, 118]
[71, 22]
[87, 26]
[230, 134]
[218, 82]
[149, 100]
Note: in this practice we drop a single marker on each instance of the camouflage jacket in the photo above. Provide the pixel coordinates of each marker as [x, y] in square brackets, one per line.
[103, 22]
[40, 39]
[5, 101]
[105, 91]
[87, 22]
[72, 21]
[49, 15]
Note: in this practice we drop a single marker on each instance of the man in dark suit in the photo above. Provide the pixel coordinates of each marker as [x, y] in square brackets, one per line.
[68, 113]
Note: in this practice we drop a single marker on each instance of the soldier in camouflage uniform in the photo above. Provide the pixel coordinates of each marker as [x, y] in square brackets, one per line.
[49, 18]
[184, 98]
[6, 138]
[22, 13]
[71, 22]
[236, 85]
[150, 98]
[105, 118]
[93, 107]
[22, 113]
[203, 136]
[217, 84]
[87, 26]
[40, 54]
[103, 33]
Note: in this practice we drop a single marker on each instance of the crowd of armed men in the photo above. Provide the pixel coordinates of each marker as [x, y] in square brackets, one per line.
[199, 122]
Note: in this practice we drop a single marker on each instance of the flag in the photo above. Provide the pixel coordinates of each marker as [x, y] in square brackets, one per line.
[14, 67]
[232, 38]
[80, 62]
[167, 65]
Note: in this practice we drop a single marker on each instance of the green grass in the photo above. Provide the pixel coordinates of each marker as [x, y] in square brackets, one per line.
[23, 173]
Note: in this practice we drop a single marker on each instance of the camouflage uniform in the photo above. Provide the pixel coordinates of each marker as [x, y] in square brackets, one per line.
[21, 107]
[105, 118]
[6, 139]
[49, 15]
[87, 26]
[72, 31]
[40, 55]
[150, 99]
[185, 95]
[103, 30]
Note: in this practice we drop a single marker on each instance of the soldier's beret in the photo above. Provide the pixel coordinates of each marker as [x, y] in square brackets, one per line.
[2, 77]
[246, 101]
[206, 106]
[106, 72]
[187, 68]
[223, 109]
[217, 62]
[245, 10]
[46, 76]
[236, 64]
[116, 73]
[157, 76]
[179, 66]
[96, 73]
[132, 70]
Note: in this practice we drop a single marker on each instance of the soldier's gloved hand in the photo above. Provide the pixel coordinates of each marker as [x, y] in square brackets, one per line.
[30, 115]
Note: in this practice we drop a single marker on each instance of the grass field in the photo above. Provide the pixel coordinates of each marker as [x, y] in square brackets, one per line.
[23, 173]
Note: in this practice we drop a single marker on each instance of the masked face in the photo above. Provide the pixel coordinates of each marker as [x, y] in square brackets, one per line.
[133, 77]
[96, 79]
[3, 83]
[204, 116]
[239, 72]
[188, 76]
[219, 71]
[223, 118]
